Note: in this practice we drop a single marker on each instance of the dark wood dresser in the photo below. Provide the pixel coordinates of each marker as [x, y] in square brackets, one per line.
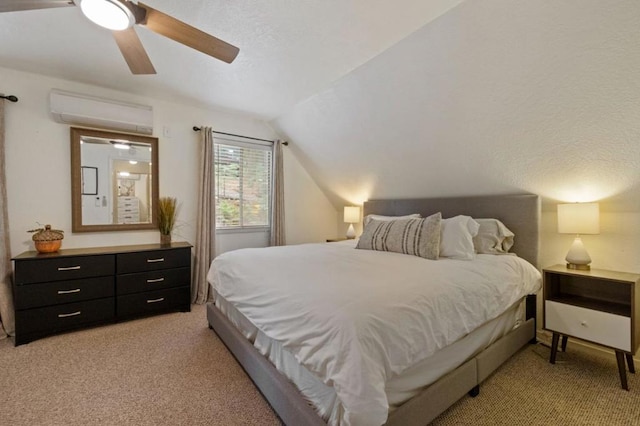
[77, 288]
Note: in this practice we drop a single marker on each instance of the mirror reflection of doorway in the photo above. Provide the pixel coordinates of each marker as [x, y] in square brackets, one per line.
[95, 199]
[132, 191]
[89, 180]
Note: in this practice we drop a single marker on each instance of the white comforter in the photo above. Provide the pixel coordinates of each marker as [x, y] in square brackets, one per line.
[356, 318]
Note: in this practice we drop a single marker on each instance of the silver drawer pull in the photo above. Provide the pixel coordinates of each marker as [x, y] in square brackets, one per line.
[157, 280]
[75, 290]
[69, 268]
[72, 314]
[161, 259]
[155, 300]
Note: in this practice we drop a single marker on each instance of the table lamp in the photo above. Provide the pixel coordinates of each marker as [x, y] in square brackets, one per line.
[351, 216]
[578, 218]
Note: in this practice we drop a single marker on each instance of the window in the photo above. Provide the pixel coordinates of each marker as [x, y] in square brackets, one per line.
[243, 184]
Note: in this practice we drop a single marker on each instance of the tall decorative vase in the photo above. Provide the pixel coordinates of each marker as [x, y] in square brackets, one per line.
[165, 239]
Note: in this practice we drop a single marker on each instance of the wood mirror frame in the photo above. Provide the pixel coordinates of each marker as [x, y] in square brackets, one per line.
[76, 180]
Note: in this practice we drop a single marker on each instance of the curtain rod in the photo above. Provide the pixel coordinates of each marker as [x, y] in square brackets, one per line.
[197, 129]
[10, 98]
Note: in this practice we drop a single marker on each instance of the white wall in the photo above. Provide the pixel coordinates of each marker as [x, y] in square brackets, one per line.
[39, 178]
[495, 96]
[308, 208]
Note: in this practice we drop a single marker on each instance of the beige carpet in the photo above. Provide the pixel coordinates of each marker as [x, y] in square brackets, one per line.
[172, 370]
[163, 370]
[580, 389]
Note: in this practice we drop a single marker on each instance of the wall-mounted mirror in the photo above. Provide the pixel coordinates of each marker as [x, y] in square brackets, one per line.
[114, 181]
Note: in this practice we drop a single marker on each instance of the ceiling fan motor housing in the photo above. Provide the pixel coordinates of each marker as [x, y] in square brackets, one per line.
[111, 14]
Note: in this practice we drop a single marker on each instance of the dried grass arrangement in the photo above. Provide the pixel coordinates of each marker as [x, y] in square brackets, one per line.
[167, 212]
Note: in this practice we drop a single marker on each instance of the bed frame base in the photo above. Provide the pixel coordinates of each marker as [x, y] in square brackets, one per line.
[436, 398]
[293, 409]
[475, 391]
[284, 397]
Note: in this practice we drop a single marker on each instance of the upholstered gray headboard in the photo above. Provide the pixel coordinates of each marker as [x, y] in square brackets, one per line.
[520, 213]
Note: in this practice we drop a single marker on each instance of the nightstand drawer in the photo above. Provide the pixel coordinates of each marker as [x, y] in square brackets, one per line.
[592, 325]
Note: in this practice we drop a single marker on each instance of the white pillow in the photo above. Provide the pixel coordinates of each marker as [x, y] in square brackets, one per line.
[370, 217]
[456, 240]
[493, 237]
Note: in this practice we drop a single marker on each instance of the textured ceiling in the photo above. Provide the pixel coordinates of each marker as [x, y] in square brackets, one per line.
[493, 97]
[289, 50]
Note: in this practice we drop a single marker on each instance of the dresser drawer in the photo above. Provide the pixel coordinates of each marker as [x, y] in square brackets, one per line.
[128, 218]
[59, 292]
[153, 301]
[125, 210]
[592, 325]
[153, 280]
[63, 268]
[153, 260]
[64, 317]
[127, 201]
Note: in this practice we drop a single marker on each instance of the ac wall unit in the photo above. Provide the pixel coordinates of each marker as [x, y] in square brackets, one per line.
[84, 110]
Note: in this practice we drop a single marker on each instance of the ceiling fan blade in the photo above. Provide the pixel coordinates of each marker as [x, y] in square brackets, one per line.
[16, 5]
[174, 29]
[133, 52]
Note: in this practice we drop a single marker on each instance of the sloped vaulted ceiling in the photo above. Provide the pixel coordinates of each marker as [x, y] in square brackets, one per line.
[495, 96]
[402, 98]
[289, 49]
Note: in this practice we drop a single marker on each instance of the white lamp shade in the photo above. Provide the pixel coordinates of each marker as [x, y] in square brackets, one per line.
[579, 218]
[351, 214]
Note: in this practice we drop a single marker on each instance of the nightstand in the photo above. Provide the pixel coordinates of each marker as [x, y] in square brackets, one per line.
[597, 306]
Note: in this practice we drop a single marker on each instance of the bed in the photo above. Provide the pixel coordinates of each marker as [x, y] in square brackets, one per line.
[309, 380]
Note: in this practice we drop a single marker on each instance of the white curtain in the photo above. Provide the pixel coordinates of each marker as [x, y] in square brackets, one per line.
[277, 210]
[206, 229]
[7, 318]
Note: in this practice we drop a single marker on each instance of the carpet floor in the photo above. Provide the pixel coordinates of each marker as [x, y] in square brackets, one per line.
[163, 370]
[172, 370]
[580, 389]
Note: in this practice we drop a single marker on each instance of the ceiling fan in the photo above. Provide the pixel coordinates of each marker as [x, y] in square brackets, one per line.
[121, 15]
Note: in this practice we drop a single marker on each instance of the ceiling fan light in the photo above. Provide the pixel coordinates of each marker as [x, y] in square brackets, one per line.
[109, 14]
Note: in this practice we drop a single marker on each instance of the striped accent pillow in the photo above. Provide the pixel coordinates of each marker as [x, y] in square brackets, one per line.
[417, 237]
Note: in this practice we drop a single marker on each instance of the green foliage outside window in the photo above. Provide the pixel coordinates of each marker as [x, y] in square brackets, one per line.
[243, 186]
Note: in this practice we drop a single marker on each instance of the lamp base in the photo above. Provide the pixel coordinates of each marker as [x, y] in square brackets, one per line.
[351, 233]
[578, 258]
[578, 267]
